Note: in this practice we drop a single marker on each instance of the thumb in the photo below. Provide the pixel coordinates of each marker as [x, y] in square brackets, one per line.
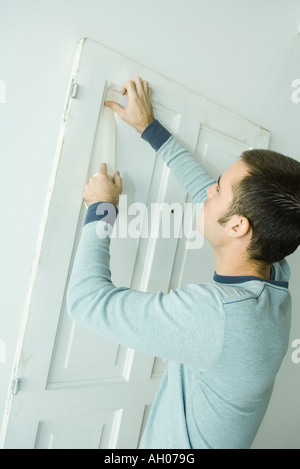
[115, 107]
[103, 168]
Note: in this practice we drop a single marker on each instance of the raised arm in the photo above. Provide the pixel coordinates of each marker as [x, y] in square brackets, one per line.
[139, 113]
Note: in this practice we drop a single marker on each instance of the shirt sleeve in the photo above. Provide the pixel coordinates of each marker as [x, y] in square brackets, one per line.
[104, 211]
[186, 168]
[183, 325]
[156, 134]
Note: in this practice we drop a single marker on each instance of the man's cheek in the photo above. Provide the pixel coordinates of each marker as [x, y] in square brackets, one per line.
[200, 220]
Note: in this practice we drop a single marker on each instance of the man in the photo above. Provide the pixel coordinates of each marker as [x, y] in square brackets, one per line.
[225, 340]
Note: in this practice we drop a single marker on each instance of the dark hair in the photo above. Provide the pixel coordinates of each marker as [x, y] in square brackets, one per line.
[269, 197]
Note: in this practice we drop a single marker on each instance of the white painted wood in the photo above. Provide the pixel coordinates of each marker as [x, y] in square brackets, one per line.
[78, 390]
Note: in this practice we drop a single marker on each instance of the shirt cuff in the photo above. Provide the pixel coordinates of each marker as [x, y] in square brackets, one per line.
[104, 211]
[156, 134]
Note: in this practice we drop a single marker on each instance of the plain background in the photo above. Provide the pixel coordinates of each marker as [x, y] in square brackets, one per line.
[243, 54]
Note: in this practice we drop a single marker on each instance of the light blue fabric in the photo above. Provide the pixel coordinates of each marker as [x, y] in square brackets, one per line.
[224, 341]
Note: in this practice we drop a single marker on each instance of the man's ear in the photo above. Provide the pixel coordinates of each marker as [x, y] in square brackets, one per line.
[238, 226]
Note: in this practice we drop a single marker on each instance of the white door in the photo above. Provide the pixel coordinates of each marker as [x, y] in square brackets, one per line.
[69, 387]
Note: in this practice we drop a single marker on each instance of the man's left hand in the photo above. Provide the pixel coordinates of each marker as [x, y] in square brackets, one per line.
[102, 188]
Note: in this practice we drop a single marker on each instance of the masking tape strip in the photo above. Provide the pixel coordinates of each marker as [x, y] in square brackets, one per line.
[106, 148]
[107, 133]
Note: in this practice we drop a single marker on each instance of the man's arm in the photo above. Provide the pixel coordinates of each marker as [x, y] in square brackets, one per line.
[189, 172]
[185, 325]
[139, 113]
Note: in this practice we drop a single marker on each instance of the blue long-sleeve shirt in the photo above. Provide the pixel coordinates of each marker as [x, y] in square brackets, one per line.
[224, 340]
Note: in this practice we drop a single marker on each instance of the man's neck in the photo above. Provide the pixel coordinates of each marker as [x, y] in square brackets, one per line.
[236, 265]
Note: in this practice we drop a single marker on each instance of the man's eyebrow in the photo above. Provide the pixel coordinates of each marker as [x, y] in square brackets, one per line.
[218, 182]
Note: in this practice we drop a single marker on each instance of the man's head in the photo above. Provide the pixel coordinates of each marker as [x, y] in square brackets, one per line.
[256, 205]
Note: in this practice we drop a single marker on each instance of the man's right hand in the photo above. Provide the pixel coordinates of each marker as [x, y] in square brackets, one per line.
[139, 111]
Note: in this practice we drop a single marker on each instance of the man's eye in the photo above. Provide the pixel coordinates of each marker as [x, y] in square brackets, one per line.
[217, 189]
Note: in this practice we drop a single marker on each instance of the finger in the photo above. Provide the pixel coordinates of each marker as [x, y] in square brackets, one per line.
[117, 180]
[103, 169]
[130, 89]
[139, 84]
[115, 107]
[147, 88]
[129, 85]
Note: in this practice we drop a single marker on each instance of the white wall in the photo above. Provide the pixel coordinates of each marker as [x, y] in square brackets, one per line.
[242, 54]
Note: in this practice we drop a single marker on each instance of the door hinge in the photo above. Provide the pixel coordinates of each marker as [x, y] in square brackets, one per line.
[73, 93]
[74, 90]
[15, 386]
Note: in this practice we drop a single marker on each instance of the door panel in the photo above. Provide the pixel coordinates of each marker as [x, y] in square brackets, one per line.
[71, 388]
[80, 432]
